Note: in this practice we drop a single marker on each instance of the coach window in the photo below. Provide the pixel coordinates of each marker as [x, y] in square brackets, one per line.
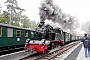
[0, 31]
[17, 33]
[26, 33]
[32, 34]
[9, 32]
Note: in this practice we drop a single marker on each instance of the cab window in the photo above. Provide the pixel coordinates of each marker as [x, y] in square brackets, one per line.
[32, 34]
[26, 33]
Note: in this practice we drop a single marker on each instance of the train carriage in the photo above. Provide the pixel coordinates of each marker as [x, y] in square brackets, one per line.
[67, 37]
[13, 36]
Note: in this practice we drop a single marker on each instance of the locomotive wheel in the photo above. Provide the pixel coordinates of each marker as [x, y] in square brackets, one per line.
[44, 51]
[57, 45]
[39, 53]
[53, 46]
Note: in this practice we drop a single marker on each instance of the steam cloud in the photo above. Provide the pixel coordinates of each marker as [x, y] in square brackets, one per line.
[86, 26]
[50, 11]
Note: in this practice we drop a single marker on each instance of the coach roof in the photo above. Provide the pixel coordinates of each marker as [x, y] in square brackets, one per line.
[11, 26]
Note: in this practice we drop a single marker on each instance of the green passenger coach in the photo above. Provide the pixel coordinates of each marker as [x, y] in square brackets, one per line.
[67, 37]
[13, 36]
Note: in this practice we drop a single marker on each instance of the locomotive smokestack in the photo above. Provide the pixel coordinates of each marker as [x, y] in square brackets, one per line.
[42, 22]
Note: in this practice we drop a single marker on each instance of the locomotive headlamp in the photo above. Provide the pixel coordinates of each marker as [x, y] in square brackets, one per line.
[47, 42]
[31, 42]
[43, 40]
[27, 40]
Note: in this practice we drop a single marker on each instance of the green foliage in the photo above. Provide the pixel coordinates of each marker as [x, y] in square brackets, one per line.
[4, 17]
[25, 21]
[33, 25]
[12, 7]
[2, 20]
[16, 17]
[16, 24]
[26, 24]
[15, 14]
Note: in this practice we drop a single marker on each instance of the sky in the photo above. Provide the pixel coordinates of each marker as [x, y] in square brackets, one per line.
[78, 8]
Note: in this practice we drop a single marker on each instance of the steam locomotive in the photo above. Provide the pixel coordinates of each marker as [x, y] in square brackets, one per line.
[48, 38]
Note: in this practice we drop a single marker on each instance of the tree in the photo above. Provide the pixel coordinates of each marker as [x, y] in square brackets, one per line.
[33, 25]
[2, 20]
[4, 17]
[25, 21]
[12, 7]
[26, 24]
[16, 24]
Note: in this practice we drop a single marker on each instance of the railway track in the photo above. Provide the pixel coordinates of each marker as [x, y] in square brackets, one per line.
[12, 49]
[51, 55]
[8, 51]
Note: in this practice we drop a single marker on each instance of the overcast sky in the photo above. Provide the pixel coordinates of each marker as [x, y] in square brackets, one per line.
[79, 8]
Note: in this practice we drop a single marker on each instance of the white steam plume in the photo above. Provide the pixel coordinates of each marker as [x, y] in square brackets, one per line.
[85, 26]
[50, 11]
